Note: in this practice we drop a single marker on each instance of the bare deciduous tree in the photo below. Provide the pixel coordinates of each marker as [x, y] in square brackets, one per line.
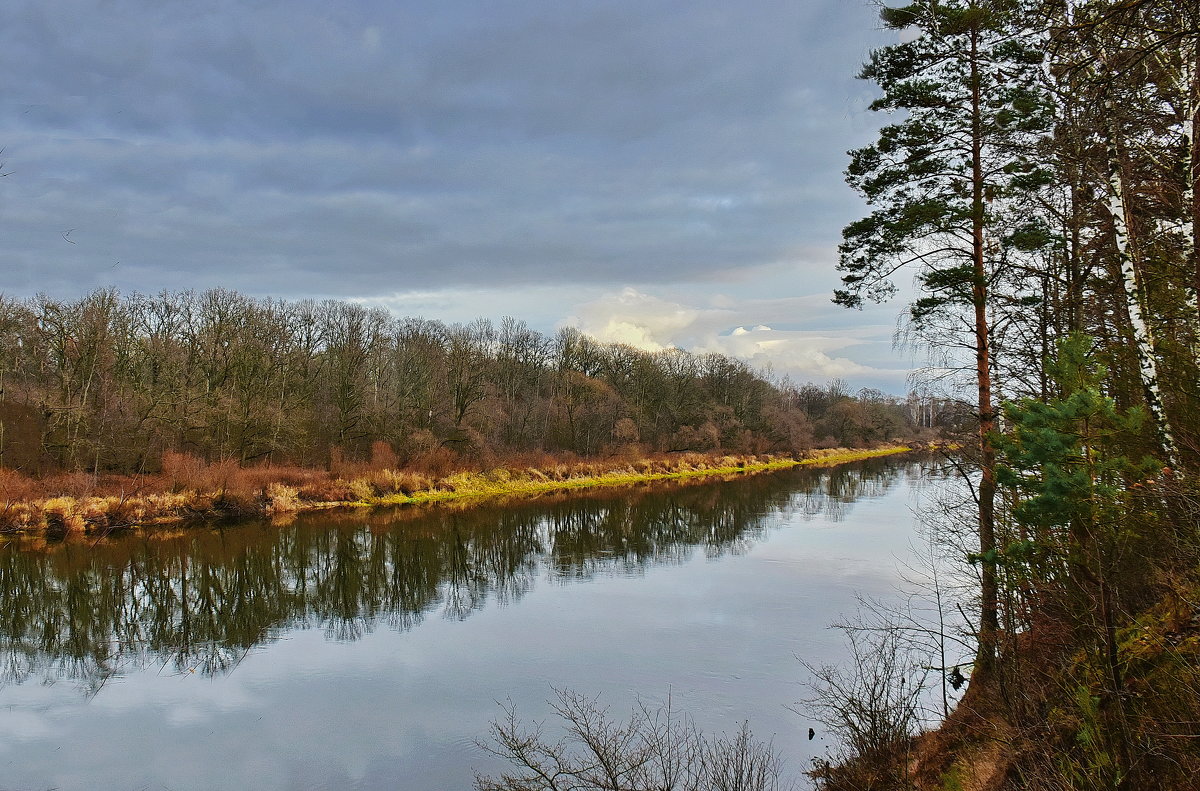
[872, 702]
[656, 749]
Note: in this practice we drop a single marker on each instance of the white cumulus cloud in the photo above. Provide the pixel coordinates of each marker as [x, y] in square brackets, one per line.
[742, 329]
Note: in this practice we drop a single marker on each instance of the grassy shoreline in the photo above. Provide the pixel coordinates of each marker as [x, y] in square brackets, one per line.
[486, 486]
[22, 512]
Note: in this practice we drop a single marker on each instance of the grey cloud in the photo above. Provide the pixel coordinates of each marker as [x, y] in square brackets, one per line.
[308, 149]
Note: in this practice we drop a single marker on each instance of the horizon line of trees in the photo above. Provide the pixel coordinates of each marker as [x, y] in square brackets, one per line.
[108, 383]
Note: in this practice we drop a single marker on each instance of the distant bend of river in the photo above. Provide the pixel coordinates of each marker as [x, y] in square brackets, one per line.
[368, 651]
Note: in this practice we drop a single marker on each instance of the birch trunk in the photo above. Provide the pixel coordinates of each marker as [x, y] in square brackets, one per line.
[1191, 173]
[1142, 336]
[1188, 76]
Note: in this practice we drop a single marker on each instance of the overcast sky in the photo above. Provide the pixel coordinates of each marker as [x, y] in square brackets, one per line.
[656, 173]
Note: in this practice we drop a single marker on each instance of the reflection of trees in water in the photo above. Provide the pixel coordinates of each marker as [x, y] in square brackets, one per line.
[199, 600]
[837, 487]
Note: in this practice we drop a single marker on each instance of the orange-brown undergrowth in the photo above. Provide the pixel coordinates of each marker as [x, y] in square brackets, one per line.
[1034, 722]
[190, 488]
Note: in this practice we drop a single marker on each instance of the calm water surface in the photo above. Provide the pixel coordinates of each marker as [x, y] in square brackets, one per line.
[352, 651]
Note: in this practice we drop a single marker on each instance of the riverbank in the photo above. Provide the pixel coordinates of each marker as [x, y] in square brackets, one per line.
[214, 491]
[1043, 718]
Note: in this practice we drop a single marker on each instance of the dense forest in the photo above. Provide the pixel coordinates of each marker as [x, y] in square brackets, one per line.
[1038, 179]
[108, 383]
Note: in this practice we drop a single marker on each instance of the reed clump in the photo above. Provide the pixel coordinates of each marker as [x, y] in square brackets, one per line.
[282, 499]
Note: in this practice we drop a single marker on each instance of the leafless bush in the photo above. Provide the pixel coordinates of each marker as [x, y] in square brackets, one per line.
[16, 487]
[654, 750]
[872, 702]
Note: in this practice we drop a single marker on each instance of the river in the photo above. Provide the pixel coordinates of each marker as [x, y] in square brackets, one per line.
[370, 650]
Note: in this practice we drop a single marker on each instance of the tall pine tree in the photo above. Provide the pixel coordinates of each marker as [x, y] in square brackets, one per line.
[945, 180]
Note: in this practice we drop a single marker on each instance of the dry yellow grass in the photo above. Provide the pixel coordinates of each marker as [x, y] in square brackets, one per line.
[293, 490]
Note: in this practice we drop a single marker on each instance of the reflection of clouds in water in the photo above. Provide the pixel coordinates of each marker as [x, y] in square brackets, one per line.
[17, 726]
[198, 602]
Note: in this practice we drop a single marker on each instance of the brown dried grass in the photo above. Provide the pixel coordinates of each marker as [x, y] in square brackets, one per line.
[282, 499]
[189, 486]
[325, 491]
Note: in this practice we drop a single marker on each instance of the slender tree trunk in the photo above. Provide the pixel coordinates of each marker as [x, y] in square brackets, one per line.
[1191, 171]
[1189, 86]
[1126, 256]
[989, 621]
[1074, 255]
